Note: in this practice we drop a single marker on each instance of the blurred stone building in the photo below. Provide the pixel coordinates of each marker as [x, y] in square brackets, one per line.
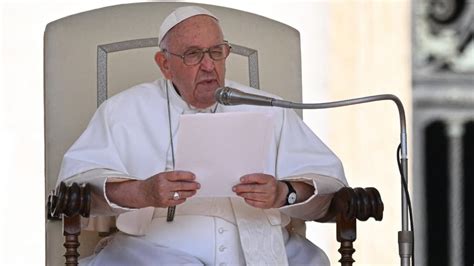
[443, 130]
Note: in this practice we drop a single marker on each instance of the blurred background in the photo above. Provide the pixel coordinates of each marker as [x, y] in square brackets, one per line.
[420, 50]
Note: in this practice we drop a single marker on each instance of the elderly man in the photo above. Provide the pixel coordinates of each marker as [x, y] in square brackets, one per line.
[127, 154]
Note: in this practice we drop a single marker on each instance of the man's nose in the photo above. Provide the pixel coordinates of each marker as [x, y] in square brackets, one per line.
[207, 63]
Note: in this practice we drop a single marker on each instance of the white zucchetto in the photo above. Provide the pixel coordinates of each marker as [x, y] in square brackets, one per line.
[180, 14]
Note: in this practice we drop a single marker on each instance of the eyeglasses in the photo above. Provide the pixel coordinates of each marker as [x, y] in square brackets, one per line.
[194, 56]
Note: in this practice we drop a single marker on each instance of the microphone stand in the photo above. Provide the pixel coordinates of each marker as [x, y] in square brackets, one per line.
[405, 236]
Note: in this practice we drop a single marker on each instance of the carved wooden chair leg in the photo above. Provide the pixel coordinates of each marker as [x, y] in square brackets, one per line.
[346, 235]
[70, 203]
[71, 231]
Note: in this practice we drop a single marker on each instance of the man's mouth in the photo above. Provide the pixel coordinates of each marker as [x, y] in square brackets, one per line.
[208, 84]
[207, 81]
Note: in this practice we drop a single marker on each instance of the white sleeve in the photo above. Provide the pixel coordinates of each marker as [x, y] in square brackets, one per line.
[316, 205]
[94, 149]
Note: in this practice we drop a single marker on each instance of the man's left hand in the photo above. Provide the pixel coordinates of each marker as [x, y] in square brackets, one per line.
[261, 191]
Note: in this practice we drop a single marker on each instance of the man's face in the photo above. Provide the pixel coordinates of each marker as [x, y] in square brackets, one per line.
[196, 83]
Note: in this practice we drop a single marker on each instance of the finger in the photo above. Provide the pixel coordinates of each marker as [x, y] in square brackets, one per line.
[256, 178]
[257, 204]
[180, 185]
[261, 197]
[249, 188]
[268, 188]
[180, 176]
[183, 194]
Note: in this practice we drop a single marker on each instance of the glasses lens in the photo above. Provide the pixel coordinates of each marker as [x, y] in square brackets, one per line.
[193, 56]
[219, 52]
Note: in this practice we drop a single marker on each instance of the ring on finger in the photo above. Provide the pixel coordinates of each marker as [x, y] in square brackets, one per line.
[176, 195]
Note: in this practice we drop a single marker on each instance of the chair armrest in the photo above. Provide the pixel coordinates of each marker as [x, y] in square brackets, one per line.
[69, 203]
[355, 203]
[347, 206]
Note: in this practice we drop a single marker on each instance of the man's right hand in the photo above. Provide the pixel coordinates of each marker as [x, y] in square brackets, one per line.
[155, 191]
[159, 189]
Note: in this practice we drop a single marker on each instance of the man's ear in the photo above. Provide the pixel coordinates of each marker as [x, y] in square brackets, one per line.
[163, 63]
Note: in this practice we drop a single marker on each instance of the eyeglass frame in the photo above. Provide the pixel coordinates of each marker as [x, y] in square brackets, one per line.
[204, 51]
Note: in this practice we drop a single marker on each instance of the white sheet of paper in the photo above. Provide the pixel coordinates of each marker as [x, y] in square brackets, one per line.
[220, 148]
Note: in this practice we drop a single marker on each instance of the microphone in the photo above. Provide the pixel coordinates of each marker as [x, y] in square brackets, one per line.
[231, 96]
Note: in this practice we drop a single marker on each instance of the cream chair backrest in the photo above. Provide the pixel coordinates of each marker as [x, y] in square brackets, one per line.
[93, 55]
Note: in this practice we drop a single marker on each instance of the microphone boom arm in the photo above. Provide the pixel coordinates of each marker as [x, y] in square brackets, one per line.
[405, 237]
[374, 98]
[230, 96]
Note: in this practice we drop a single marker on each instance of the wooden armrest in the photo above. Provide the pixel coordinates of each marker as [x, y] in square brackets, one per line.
[69, 203]
[347, 206]
[355, 203]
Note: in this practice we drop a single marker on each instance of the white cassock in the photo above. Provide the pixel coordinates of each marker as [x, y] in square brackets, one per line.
[129, 138]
